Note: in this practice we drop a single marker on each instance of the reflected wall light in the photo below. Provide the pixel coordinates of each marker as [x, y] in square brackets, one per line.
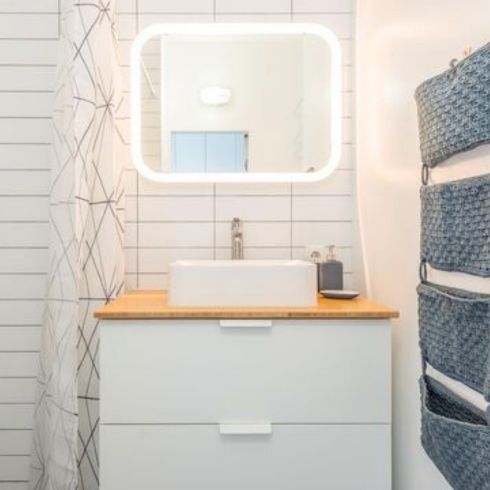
[215, 95]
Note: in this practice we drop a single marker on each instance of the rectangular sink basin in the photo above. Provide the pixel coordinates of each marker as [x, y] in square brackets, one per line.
[286, 283]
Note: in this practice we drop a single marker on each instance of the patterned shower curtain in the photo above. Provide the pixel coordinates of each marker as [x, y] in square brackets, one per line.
[86, 260]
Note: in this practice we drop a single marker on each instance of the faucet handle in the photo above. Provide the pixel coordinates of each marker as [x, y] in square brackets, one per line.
[236, 224]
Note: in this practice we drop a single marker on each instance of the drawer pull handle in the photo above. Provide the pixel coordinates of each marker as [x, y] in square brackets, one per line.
[246, 429]
[245, 323]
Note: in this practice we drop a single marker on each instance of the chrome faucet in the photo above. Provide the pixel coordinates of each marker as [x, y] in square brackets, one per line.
[236, 239]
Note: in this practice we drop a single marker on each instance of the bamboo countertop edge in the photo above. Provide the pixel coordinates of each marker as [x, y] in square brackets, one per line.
[153, 305]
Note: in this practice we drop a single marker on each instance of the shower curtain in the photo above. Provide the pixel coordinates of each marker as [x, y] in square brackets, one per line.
[86, 236]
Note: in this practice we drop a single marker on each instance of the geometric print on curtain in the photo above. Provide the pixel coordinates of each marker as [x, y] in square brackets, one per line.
[86, 268]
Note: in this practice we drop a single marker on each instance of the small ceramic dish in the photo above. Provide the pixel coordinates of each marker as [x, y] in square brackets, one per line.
[339, 294]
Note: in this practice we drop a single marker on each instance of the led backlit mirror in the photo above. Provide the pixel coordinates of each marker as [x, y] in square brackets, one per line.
[235, 102]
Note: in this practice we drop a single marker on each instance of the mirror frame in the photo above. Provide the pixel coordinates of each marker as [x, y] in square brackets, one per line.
[225, 29]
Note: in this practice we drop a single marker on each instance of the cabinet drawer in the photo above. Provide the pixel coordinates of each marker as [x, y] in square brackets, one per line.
[201, 372]
[308, 457]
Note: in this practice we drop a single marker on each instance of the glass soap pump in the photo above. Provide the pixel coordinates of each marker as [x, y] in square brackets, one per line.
[331, 272]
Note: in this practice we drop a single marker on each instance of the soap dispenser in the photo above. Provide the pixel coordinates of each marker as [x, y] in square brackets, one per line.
[331, 272]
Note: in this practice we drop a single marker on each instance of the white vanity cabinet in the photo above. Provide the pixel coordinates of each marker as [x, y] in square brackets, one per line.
[255, 404]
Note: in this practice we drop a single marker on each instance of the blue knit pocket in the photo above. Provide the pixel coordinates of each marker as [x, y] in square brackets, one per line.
[455, 334]
[456, 436]
[454, 108]
[456, 225]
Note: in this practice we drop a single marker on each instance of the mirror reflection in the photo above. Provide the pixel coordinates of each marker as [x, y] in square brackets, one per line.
[235, 103]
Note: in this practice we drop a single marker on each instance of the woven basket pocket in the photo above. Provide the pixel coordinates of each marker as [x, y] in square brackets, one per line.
[454, 108]
[455, 334]
[456, 436]
[456, 225]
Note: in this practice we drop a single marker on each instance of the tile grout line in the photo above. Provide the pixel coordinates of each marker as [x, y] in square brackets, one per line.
[230, 13]
[291, 9]
[137, 183]
[214, 185]
[214, 221]
[291, 222]
[210, 247]
[59, 19]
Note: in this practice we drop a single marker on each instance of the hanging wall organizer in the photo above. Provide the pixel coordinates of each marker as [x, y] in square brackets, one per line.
[454, 108]
[456, 225]
[455, 334]
[454, 324]
[456, 436]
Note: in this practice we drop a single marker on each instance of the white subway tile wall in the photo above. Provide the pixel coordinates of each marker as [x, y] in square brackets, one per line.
[193, 221]
[164, 222]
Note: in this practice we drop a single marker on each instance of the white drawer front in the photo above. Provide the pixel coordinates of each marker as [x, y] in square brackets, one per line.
[201, 372]
[294, 457]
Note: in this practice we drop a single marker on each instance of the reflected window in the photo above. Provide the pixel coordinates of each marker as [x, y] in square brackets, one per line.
[209, 151]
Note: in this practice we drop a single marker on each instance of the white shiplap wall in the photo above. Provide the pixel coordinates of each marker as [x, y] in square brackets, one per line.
[28, 44]
[163, 222]
[193, 221]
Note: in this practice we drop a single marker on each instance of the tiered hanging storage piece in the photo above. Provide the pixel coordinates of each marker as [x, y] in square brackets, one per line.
[456, 225]
[454, 108]
[456, 436]
[455, 334]
[454, 116]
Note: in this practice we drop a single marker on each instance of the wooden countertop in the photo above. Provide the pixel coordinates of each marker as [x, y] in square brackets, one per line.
[153, 304]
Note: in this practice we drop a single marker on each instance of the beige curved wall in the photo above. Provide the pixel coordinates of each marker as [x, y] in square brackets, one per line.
[401, 43]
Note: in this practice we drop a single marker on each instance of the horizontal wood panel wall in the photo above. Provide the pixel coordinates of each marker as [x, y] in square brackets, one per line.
[163, 222]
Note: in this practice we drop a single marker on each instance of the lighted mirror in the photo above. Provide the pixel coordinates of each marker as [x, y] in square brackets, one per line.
[236, 102]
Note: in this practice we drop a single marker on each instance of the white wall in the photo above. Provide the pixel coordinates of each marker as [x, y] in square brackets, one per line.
[401, 43]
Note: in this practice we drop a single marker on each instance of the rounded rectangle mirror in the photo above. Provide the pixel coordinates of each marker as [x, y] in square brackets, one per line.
[236, 102]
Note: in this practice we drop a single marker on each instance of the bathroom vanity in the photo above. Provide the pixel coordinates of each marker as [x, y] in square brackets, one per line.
[244, 398]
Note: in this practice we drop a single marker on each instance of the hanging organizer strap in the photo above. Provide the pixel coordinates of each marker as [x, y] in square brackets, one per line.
[423, 271]
[425, 174]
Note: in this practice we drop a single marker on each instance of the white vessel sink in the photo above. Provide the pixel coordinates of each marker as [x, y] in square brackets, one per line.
[272, 283]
